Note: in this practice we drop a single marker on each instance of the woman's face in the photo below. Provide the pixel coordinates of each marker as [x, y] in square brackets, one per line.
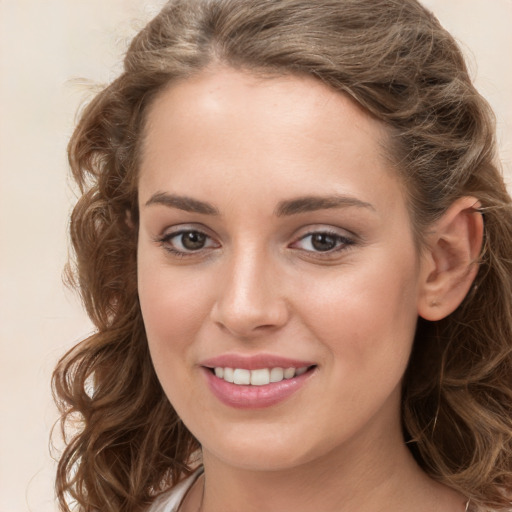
[275, 242]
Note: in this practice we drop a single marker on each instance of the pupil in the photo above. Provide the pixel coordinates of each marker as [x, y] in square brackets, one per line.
[193, 240]
[323, 242]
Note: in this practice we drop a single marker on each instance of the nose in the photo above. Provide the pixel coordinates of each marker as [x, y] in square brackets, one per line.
[250, 300]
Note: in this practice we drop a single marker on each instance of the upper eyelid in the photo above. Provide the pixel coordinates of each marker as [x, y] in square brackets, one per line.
[328, 229]
[183, 228]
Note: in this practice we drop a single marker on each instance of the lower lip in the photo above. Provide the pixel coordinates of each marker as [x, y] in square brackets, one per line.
[254, 397]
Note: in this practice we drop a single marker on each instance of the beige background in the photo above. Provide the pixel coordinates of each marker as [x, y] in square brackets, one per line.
[44, 47]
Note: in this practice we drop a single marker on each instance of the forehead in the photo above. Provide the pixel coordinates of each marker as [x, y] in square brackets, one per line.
[290, 133]
[290, 102]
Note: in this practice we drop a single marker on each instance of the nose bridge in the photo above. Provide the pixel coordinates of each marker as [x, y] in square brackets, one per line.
[249, 298]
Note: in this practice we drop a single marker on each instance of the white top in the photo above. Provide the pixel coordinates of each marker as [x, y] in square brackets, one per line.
[171, 500]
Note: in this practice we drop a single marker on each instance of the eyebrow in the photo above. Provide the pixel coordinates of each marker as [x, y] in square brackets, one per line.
[182, 203]
[284, 208]
[314, 203]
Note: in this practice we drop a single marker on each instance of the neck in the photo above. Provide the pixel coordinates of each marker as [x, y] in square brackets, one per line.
[355, 479]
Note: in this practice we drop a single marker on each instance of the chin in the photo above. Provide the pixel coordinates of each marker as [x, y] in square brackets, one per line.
[264, 447]
[258, 459]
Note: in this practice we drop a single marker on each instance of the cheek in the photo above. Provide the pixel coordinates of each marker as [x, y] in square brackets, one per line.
[367, 319]
[172, 315]
[173, 308]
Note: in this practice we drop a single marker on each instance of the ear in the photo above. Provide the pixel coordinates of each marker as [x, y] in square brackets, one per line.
[450, 262]
[128, 219]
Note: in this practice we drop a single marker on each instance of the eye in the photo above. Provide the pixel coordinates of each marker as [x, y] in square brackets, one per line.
[323, 242]
[186, 242]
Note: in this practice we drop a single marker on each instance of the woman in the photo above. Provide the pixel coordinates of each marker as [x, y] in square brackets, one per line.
[281, 243]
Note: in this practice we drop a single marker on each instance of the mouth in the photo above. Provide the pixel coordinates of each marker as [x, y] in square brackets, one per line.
[256, 381]
[260, 376]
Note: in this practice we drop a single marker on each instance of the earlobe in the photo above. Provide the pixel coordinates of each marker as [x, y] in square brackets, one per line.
[450, 263]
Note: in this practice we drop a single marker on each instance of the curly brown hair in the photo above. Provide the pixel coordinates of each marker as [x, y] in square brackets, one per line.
[125, 442]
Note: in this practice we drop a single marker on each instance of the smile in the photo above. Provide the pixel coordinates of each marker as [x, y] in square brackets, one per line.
[259, 377]
[258, 387]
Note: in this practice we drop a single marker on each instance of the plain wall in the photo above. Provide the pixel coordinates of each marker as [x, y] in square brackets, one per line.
[45, 48]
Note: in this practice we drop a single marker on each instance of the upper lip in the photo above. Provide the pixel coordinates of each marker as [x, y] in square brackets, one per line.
[254, 362]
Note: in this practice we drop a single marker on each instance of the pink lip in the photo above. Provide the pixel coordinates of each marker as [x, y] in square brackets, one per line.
[254, 362]
[254, 397]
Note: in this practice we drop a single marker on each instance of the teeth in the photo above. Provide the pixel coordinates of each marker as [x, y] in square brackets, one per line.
[241, 376]
[260, 377]
[276, 375]
[228, 375]
[289, 373]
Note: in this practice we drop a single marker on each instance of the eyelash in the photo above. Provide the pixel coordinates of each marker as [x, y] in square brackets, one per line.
[342, 243]
[165, 242]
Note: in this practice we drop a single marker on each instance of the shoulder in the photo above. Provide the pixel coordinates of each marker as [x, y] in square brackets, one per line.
[171, 500]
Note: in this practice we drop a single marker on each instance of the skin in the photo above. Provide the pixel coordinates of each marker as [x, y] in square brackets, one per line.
[244, 145]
